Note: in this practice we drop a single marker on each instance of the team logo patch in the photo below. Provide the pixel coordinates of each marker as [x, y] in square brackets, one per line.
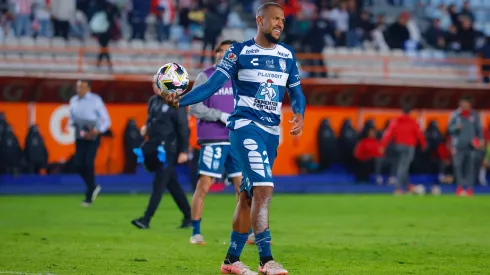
[215, 165]
[232, 57]
[282, 64]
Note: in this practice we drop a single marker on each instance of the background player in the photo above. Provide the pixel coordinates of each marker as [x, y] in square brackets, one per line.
[213, 136]
[254, 126]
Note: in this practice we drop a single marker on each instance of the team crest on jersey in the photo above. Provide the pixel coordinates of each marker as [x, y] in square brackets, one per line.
[282, 64]
[232, 57]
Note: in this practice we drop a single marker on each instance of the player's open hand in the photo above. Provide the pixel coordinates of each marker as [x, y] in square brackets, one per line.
[172, 99]
[298, 124]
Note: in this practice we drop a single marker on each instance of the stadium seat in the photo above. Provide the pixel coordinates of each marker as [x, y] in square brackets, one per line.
[43, 42]
[152, 45]
[58, 42]
[11, 41]
[137, 44]
[74, 43]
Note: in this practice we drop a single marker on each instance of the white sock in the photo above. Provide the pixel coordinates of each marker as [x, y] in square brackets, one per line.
[483, 175]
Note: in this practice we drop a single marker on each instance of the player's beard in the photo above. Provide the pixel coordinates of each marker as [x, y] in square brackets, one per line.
[271, 38]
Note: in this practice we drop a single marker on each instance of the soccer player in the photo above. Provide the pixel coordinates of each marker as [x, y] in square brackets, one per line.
[260, 69]
[213, 136]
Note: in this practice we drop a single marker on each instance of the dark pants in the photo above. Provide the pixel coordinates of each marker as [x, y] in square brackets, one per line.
[404, 155]
[368, 167]
[209, 40]
[86, 150]
[464, 167]
[104, 39]
[61, 28]
[167, 178]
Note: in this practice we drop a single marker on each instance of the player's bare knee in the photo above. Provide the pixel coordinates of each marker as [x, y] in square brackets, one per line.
[203, 185]
[262, 193]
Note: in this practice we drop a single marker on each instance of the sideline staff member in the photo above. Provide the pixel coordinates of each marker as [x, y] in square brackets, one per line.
[168, 127]
[89, 117]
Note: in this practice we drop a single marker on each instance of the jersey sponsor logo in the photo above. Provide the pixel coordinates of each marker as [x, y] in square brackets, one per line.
[286, 55]
[253, 51]
[255, 61]
[224, 91]
[267, 96]
[270, 75]
[226, 64]
[282, 64]
[232, 57]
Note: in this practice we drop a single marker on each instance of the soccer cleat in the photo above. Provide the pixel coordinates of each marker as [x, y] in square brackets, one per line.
[140, 223]
[197, 239]
[469, 192]
[251, 238]
[237, 268]
[272, 268]
[186, 223]
[95, 192]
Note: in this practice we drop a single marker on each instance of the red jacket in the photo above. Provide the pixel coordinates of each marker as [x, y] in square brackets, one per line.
[368, 148]
[404, 130]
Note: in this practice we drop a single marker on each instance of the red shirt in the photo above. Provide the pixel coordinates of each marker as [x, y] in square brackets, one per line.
[404, 130]
[368, 148]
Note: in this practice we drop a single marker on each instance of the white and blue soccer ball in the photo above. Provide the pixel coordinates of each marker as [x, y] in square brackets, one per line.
[172, 78]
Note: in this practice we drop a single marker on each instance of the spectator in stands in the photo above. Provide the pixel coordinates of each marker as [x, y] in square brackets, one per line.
[363, 26]
[23, 24]
[5, 21]
[165, 18]
[435, 35]
[137, 18]
[314, 41]
[466, 11]
[467, 35]
[340, 16]
[213, 25]
[62, 12]
[484, 53]
[42, 18]
[101, 25]
[453, 13]
[397, 33]
[466, 134]
[452, 40]
[405, 134]
[89, 117]
[378, 34]
[369, 153]
[443, 15]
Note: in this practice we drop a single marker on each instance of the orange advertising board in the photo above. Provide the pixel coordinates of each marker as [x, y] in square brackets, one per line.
[52, 120]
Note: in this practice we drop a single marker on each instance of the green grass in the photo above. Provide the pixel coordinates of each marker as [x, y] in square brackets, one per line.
[316, 234]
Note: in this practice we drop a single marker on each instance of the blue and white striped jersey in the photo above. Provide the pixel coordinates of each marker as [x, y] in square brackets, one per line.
[260, 77]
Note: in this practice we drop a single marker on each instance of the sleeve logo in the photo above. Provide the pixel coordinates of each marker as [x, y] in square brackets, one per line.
[232, 57]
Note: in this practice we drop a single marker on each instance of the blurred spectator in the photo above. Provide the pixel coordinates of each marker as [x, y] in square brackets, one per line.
[137, 18]
[102, 24]
[397, 33]
[165, 18]
[42, 18]
[314, 41]
[453, 13]
[6, 20]
[452, 39]
[62, 12]
[363, 26]
[485, 54]
[467, 35]
[435, 36]
[23, 25]
[443, 15]
[340, 16]
[213, 25]
[378, 34]
[466, 11]
[369, 153]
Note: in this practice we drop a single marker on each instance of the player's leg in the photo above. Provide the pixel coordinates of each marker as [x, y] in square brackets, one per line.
[257, 150]
[241, 225]
[211, 161]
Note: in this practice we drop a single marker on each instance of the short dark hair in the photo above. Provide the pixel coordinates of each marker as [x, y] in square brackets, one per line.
[466, 98]
[267, 5]
[225, 42]
[89, 83]
[406, 109]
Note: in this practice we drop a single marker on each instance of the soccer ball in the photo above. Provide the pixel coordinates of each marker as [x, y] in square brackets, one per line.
[172, 78]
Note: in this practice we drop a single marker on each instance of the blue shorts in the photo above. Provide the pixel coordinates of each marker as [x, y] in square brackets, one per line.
[216, 157]
[257, 150]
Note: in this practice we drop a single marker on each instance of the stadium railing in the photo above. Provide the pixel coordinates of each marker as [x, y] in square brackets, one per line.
[138, 59]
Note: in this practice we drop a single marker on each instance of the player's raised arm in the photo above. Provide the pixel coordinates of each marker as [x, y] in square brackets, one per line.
[297, 97]
[225, 70]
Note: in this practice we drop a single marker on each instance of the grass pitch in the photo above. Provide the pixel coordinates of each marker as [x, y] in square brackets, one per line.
[312, 234]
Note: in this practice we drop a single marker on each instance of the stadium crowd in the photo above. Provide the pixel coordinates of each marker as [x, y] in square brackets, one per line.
[310, 24]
